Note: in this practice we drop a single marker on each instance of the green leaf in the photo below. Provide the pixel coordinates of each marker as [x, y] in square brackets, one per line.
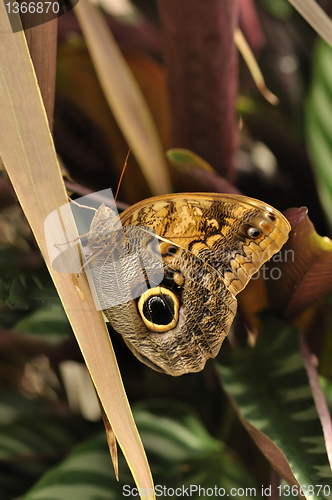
[196, 174]
[270, 387]
[179, 157]
[14, 405]
[28, 154]
[181, 453]
[85, 475]
[26, 292]
[318, 113]
[50, 323]
[278, 8]
[327, 389]
[29, 446]
[46, 436]
[173, 434]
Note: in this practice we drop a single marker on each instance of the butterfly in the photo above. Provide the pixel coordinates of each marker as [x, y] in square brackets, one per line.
[210, 246]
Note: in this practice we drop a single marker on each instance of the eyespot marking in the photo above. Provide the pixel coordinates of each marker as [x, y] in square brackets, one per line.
[253, 232]
[159, 309]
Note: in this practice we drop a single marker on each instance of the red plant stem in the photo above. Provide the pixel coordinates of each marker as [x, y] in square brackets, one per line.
[310, 364]
[250, 24]
[42, 43]
[201, 61]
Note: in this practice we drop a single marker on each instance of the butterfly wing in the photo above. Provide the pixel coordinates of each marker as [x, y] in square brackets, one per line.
[211, 245]
[176, 326]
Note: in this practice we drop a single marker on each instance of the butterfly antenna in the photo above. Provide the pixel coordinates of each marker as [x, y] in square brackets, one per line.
[122, 174]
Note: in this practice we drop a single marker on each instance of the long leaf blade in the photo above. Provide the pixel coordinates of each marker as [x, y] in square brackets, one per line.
[27, 151]
[124, 98]
[318, 113]
[315, 16]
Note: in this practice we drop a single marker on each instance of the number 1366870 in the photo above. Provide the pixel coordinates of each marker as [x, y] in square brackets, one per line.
[32, 7]
[306, 490]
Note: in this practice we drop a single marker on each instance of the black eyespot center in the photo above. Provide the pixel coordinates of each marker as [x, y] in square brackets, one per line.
[253, 232]
[159, 309]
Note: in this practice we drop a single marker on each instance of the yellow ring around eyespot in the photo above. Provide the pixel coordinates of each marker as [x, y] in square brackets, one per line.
[157, 292]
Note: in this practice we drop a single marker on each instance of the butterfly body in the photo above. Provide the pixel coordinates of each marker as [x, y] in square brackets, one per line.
[211, 245]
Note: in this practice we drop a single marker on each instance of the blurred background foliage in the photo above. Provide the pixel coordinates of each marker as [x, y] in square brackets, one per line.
[51, 438]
